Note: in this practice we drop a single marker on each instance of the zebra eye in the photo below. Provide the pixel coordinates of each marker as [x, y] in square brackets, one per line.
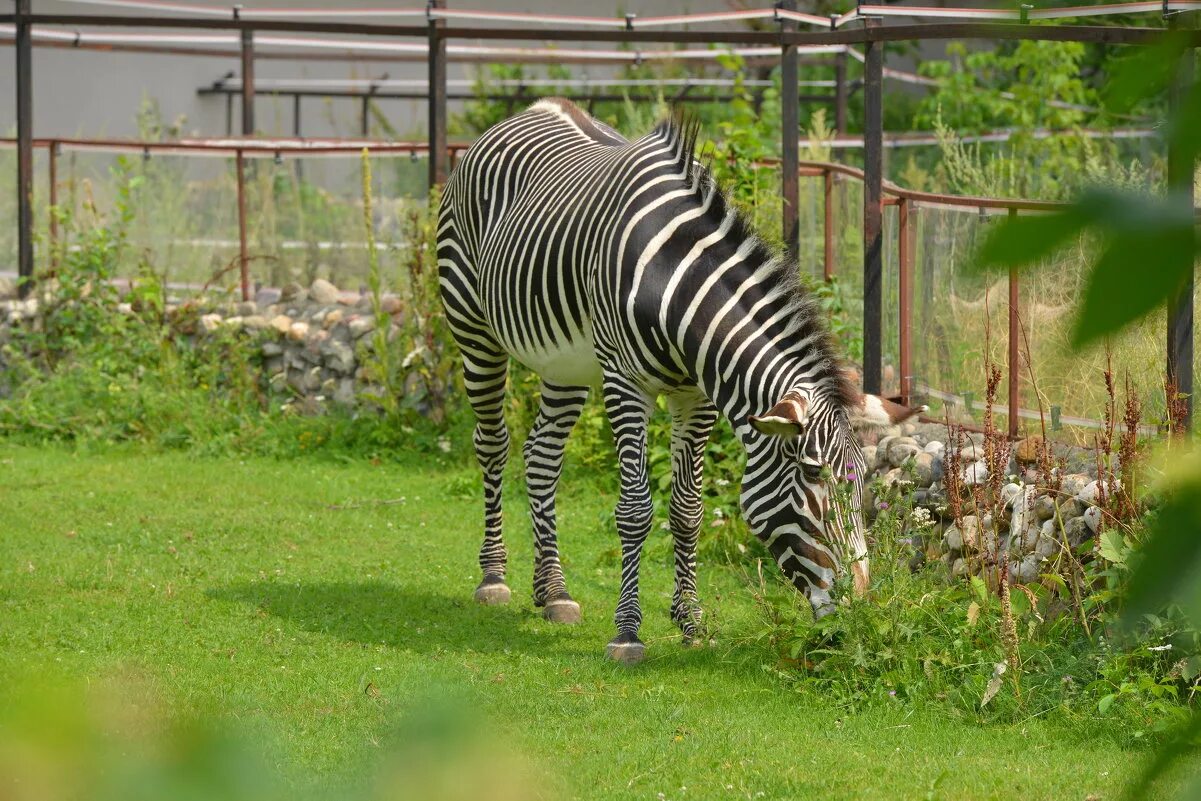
[813, 469]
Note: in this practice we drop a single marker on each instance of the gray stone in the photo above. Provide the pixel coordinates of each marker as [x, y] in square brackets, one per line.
[270, 348]
[1092, 518]
[1092, 492]
[869, 457]
[1077, 531]
[255, 322]
[964, 536]
[1027, 570]
[900, 449]
[210, 322]
[8, 288]
[971, 453]
[1044, 507]
[266, 297]
[323, 292]
[923, 466]
[975, 473]
[338, 356]
[360, 326]
[292, 293]
[935, 448]
[1009, 493]
[1073, 483]
[1023, 508]
[959, 568]
[246, 308]
[344, 395]
[273, 365]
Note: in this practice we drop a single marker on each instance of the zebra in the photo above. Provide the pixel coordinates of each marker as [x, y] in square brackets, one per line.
[599, 261]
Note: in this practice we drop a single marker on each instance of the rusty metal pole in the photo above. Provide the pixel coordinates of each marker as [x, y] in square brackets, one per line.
[840, 93]
[247, 83]
[789, 133]
[828, 209]
[905, 290]
[873, 191]
[1180, 309]
[52, 163]
[24, 48]
[243, 258]
[1015, 367]
[437, 98]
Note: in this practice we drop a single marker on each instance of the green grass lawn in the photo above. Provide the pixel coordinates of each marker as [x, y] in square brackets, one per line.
[233, 588]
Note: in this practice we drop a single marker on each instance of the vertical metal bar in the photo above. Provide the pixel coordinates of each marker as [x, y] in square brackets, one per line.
[828, 236]
[1015, 367]
[905, 290]
[24, 48]
[873, 190]
[437, 98]
[247, 82]
[789, 133]
[840, 93]
[229, 115]
[296, 128]
[365, 116]
[243, 258]
[52, 162]
[1180, 309]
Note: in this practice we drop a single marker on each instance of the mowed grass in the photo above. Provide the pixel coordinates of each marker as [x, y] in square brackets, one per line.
[234, 588]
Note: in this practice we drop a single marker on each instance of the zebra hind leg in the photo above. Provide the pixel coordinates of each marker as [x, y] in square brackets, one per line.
[484, 376]
[692, 420]
[557, 414]
[628, 408]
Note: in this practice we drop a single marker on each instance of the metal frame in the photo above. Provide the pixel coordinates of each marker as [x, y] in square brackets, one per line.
[872, 34]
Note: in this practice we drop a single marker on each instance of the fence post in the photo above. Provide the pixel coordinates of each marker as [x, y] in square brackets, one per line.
[905, 290]
[1014, 375]
[24, 48]
[828, 180]
[873, 189]
[840, 93]
[243, 258]
[1180, 309]
[52, 163]
[437, 98]
[247, 82]
[789, 127]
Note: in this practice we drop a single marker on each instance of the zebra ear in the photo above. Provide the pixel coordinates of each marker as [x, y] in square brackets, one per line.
[786, 419]
[872, 411]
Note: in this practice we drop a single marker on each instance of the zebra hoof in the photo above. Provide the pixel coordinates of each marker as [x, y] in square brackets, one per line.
[693, 642]
[492, 591]
[562, 610]
[626, 649]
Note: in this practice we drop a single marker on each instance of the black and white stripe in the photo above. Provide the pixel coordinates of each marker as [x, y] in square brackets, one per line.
[596, 260]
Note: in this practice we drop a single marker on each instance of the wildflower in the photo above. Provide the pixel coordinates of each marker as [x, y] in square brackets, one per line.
[882, 505]
[892, 693]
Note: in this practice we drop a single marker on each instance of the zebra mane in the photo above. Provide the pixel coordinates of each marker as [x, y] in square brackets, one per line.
[682, 131]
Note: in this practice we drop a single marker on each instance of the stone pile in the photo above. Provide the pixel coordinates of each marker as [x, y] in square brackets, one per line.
[1035, 524]
[312, 342]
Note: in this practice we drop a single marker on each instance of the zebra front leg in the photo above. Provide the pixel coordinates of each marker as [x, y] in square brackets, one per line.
[484, 378]
[558, 411]
[692, 420]
[628, 408]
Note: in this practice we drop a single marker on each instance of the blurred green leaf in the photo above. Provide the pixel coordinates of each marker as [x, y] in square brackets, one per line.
[1139, 271]
[1022, 240]
[1145, 72]
[1169, 569]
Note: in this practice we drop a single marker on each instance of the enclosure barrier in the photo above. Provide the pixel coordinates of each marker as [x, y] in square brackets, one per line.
[871, 33]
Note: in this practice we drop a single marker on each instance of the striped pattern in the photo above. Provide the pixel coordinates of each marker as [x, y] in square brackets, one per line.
[594, 261]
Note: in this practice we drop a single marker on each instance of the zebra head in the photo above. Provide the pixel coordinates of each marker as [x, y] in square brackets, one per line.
[802, 493]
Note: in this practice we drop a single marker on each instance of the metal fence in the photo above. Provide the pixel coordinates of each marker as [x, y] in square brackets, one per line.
[863, 26]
